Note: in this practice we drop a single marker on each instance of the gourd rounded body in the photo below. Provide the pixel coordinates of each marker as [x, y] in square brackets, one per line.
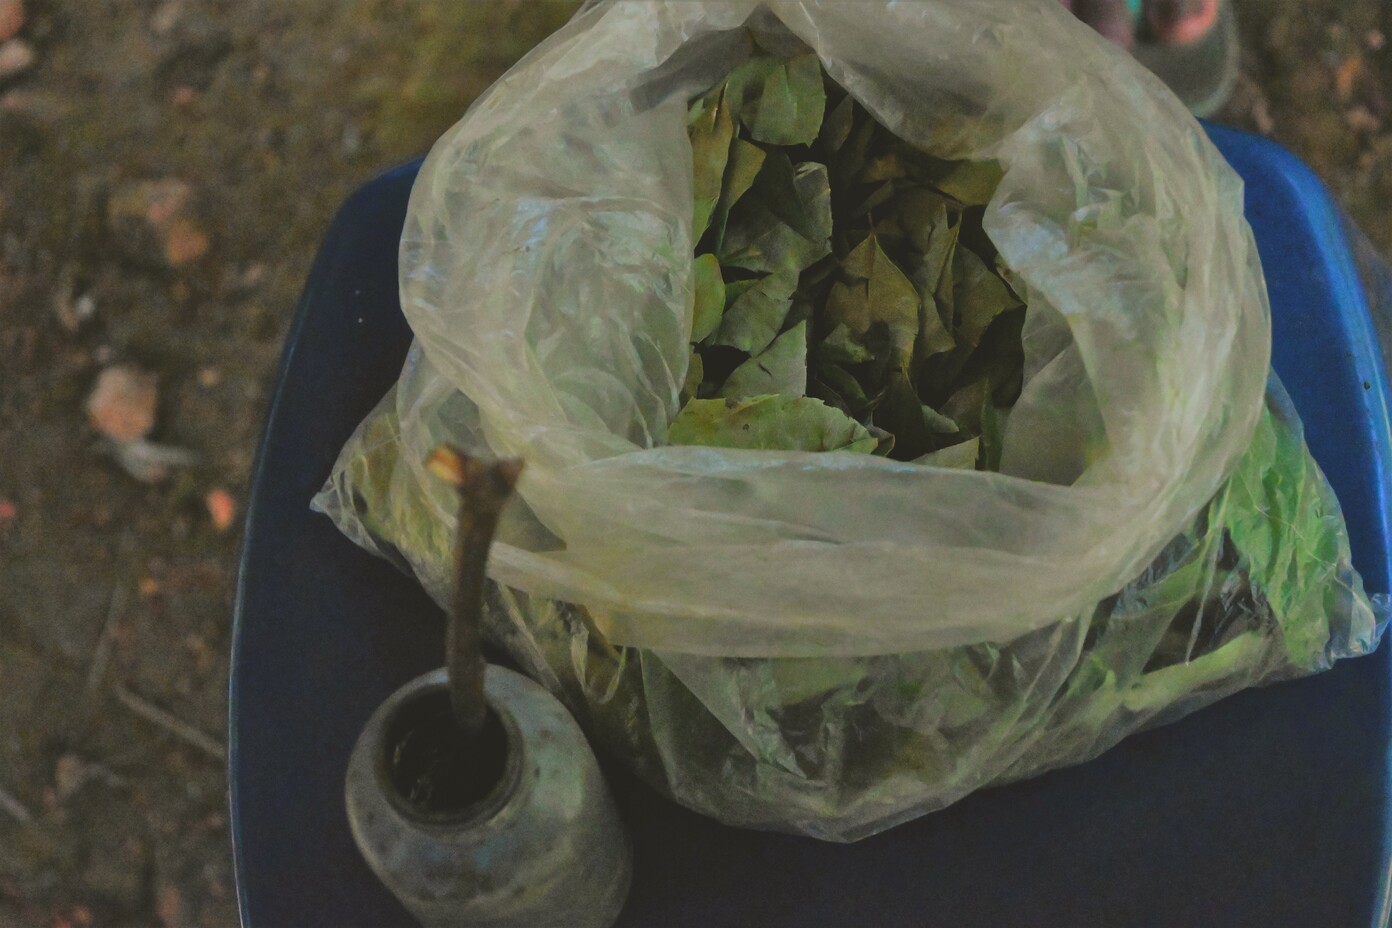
[545, 847]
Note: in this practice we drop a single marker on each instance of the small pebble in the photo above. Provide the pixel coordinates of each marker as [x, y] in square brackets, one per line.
[16, 57]
[169, 906]
[184, 242]
[1261, 116]
[122, 404]
[153, 222]
[69, 774]
[11, 18]
[166, 17]
[1361, 119]
[352, 139]
[222, 508]
[254, 274]
[72, 313]
[1346, 77]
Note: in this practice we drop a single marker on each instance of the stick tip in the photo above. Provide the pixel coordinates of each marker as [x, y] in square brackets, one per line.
[447, 464]
[486, 484]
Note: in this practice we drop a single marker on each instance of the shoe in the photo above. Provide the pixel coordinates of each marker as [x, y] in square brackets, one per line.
[1196, 55]
[1192, 45]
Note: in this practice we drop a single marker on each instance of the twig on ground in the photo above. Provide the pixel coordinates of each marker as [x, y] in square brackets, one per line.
[120, 594]
[101, 654]
[16, 808]
[170, 723]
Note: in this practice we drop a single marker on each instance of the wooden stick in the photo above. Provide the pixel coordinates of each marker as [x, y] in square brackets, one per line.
[483, 491]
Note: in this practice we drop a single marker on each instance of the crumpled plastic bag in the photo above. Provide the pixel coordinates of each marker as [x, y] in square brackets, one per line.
[833, 643]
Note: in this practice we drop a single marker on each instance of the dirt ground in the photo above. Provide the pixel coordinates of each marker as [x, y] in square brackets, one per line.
[254, 119]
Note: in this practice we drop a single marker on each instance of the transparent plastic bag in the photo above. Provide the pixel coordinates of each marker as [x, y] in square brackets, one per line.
[832, 643]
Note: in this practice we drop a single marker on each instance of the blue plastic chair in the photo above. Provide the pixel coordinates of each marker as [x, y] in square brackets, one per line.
[1268, 810]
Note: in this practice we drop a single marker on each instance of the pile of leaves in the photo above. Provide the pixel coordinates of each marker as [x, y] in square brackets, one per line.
[846, 296]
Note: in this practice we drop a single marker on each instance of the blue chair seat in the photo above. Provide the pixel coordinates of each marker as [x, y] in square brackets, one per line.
[1268, 810]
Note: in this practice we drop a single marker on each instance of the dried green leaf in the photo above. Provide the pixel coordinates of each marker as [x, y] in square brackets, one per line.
[813, 282]
[917, 429]
[937, 264]
[964, 406]
[700, 107]
[780, 368]
[789, 423]
[841, 347]
[709, 303]
[756, 317]
[1000, 358]
[769, 246]
[711, 131]
[744, 164]
[938, 237]
[921, 319]
[876, 292]
[978, 295]
[738, 288]
[885, 439]
[798, 680]
[881, 195]
[939, 376]
[901, 414]
[852, 157]
[971, 182]
[992, 434]
[961, 456]
[939, 424]
[756, 239]
[933, 336]
[859, 263]
[882, 167]
[926, 216]
[779, 101]
[695, 374]
[804, 210]
[1014, 281]
[836, 128]
[841, 386]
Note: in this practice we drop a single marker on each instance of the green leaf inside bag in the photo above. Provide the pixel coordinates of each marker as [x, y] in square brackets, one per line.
[780, 368]
[842, 266]
[709, 289]
[711, 131]
[756, 316]
[786, 423]
[779, 102]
